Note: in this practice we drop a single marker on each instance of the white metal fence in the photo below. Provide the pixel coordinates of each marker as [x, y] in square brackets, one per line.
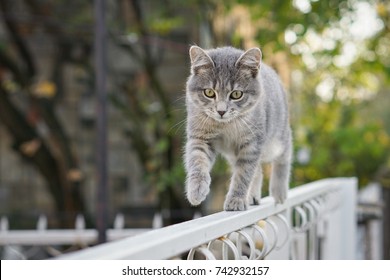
[80, 235]
[318, 221]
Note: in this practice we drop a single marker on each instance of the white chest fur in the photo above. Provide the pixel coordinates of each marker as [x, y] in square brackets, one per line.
[272, 149]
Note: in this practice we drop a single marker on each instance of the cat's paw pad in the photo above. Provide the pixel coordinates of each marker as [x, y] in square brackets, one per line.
[235, 204]
[198, 186]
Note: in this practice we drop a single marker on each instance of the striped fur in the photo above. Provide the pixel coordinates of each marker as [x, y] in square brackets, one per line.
[247, 131]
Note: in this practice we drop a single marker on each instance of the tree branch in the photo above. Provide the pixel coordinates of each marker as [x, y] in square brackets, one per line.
[17, 39]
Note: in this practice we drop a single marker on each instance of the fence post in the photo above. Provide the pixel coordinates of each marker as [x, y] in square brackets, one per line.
[100, 90]
[349, 217]
[4, 224]
[386, 223]
[340, 222]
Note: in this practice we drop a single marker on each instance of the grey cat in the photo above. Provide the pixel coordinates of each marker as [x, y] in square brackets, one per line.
[236, 106]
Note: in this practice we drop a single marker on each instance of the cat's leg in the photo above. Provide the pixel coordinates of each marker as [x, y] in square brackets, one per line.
[254, 194]
[199, 158]
[280, 177]
[244, 172]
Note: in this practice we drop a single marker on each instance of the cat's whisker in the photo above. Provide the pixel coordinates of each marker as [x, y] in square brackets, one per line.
[204, 122]
[177, 126]
[201, 121]
[251, 124]
[244, 122]
[179, 99]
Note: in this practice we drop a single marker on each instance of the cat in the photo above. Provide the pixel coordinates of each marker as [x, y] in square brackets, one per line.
[236, 106]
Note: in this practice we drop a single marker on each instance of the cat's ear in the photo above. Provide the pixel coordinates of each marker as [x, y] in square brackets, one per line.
[200, 60]
[250, 61]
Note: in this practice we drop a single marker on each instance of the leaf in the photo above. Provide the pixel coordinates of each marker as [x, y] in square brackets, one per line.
[44, 89]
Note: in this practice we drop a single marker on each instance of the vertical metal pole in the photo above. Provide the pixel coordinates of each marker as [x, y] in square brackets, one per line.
[100, 89]
[386, 219]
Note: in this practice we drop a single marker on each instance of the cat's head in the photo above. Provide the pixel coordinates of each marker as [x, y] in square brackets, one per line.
[223, 82]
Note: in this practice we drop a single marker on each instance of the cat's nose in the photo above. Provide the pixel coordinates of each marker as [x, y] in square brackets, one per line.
[221, 113]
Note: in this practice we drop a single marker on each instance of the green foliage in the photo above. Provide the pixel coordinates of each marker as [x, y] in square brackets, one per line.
[163, 26]
[334, 97]
[342, 143]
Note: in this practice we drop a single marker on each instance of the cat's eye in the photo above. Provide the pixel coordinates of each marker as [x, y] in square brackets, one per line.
[209, 93]
[237, 94]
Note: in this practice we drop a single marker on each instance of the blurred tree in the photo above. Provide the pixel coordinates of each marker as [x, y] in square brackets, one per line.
[342, 73]
[331, 56]
[38, 135]
[149, 105]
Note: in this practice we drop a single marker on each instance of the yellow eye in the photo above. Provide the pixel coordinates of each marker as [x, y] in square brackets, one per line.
[237, 94]
[209, 93]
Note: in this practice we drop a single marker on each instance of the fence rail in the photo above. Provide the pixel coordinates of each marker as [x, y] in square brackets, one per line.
[77, 236]
[318, 220]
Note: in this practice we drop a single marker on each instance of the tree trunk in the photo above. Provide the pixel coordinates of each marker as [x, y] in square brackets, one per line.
[67, 200]
[52, 155]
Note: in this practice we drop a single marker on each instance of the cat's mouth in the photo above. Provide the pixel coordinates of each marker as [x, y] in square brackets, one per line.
[223, 118]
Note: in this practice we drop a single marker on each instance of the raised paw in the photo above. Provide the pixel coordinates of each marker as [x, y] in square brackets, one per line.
[235, 204]
[198, 186]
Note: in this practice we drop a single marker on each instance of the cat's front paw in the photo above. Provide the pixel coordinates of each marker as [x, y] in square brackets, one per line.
[198, 186]
[254, 200]
[235, 204]
[279, 196]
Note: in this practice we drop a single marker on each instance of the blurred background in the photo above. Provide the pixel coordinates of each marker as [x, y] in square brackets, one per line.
[333, 58]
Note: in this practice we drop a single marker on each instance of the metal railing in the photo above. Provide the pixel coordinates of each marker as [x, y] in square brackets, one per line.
[80, 235]
[317, 221]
